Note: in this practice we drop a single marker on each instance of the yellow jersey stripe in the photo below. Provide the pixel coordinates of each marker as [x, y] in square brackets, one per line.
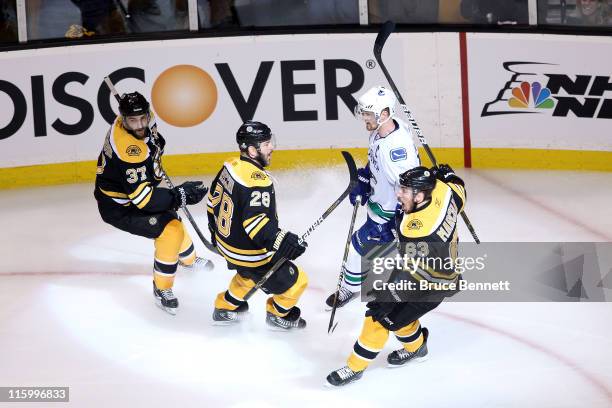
[146, 192]
[247, 264]
[460, 191]
[246, 222]
[238, 250]
[114, 194]
[145, 200]
[255, 230]
[138, 190]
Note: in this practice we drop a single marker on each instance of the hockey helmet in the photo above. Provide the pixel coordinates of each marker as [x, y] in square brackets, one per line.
[133, 104]
[252, 133]
[419, 179]
[375, 101]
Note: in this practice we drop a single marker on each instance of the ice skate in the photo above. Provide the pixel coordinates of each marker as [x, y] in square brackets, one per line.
[344, 296]
[291, 321]
[403, 356]
[226, 317]
[343, 376]
[165, 299]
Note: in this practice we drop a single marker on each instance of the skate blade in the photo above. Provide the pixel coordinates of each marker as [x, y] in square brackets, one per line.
[416, 360]
[170, 310]
[244, 316]
[226, 322]
[284, 330]
[332, 386]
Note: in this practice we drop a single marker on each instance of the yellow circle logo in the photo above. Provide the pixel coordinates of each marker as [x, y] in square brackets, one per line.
[184, 95]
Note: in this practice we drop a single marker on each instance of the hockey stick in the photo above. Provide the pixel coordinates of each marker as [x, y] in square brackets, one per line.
[123, 9]
[381, 38]
[206, 243]
[350, 162]
[332, 327]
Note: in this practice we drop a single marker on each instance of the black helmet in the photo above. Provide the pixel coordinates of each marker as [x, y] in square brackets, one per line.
[419, 178]
[252, 133]
[133, 104]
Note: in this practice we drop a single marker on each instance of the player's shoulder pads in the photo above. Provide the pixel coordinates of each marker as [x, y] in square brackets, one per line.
[247, 174]
[127, 147]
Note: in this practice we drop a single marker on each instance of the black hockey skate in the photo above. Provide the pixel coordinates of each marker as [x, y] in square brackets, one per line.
[402, 356]
[225, 317]
[344, 296]
[165, 299]
[343, 376]
[291, 321]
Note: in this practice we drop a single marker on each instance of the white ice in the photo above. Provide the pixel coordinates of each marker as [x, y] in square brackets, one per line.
[77, 310]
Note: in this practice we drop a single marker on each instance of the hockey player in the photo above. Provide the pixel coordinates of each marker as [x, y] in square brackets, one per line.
[244, 226]
[391, 152]
[130, 198]
[426, 226]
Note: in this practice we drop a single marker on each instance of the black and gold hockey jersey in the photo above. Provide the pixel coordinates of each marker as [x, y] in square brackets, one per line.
[241, 209]
[128, 171]
[429, 235]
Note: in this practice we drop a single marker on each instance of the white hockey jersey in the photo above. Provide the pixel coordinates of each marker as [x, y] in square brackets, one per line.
[388, 157]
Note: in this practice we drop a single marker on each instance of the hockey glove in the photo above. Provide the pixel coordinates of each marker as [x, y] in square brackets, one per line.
[188, 193]
[447, 175]
[363, 186]
[379, 310]
[383, 232]
[287, 245]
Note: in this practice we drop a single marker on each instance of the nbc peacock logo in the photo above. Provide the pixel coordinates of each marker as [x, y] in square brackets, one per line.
[531, 96]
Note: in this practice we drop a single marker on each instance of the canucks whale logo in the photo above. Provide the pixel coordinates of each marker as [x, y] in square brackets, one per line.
[528, 95]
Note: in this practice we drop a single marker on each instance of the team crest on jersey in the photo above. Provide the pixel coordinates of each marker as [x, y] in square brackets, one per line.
[133, 150]
[398, 154]
[415, 224]
[258, 175]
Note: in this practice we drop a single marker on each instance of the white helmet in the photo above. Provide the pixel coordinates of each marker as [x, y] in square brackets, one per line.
[376, 100]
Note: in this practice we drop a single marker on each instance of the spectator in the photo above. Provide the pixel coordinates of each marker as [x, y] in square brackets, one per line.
[98, 17]
[144, 7]
[495, 12]
[404, 11]
[222, 14]
[592, 12]
[8, 28]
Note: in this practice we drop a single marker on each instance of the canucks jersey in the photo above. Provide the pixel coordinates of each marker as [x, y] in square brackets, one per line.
[388, 157]
[429, 234]
[128, 171]
[241, 207]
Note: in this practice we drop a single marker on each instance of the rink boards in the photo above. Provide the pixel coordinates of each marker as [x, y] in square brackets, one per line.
[523, 101]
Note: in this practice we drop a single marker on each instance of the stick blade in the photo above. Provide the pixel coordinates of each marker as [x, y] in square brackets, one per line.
[385, 31]
[352, 167]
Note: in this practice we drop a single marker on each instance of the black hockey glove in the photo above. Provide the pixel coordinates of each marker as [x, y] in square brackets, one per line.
[188, 193]
[287, 245]
[447, 175]
[362, 188]
[379, 310]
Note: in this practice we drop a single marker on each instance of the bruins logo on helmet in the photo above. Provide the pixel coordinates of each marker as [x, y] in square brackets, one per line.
[258, 175]
[133, 150]
[415, 224]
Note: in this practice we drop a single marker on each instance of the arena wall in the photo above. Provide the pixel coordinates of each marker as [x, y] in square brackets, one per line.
[56, 107]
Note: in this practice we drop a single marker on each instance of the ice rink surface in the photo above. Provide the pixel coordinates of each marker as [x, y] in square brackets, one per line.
[77, 310]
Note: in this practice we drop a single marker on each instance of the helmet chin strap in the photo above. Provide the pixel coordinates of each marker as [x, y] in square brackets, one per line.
[381, 123]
